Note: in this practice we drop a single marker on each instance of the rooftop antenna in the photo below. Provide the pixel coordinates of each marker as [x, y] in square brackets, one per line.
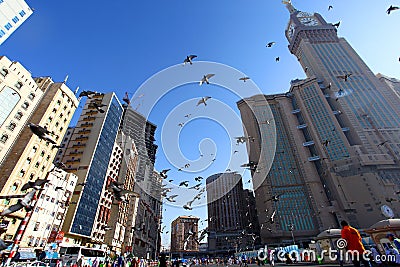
[76, 90]
[65, 80]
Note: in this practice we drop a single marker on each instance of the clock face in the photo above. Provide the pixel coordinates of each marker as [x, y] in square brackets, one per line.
[303, 14]
[309, 21]
[291, 30]
[387, 211]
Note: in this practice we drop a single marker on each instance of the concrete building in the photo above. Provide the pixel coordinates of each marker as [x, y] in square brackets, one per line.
[91, 154]
[119, 235]
[29, 157]
[231, 221]
[147, 224]
[13, 14]
[48, 214]
[393, 83]
[336, 130]
[181, 228]
[19, 96]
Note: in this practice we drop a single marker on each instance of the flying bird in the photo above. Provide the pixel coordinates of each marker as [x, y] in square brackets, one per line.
[181, 124]
[58, 188]
[197, 186]
[277, 59]
[337, 24]
[42, 133]
[184, 183]
[270, 44]
[126, 98]
[119, 193]
[330, 7]
[244, 79]
[97, 106]
[25, 202]
[187, 165]
[189, 59]
[344, 77]
[234, 152]
[163, 173]
[171, 198]
[391, 8]
[58, 165]
[188, 206]
[188, 115]
[203, 100]
[272, 217]
[36, 184]
[275, 198]
[198, 179]
[326, 143]
[384, 142]
[206, 79]
[86, 93]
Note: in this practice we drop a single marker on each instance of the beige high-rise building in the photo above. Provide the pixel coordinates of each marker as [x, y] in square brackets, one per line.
[19, 96]
[184, 234]
[29, 157]
[393, 83]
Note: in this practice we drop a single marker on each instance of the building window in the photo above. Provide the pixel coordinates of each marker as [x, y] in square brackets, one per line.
[21, 173]
[18, 85]
[37, 225]
[31, 96]
[11, 126]
[37, 164]
[9, 98]
[18, 115]
[42, 153]
[8, 26]
[4, 138]
[2, 33]
[34, 149]
[4, 72]
[15, 19]
[14, 186]
[28, 161]
[25, 105]
[22, 13]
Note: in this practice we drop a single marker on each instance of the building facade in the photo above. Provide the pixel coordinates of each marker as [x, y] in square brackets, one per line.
[232, 222]
[337, 130]
[13, 14]
[184, 231]
[147, 223]
[393, 83]
[32, 158]
[89, 155]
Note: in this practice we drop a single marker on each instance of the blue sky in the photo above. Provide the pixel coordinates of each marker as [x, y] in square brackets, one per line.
[116, 46]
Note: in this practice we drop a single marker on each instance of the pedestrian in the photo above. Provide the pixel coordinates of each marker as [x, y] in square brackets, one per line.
[80, 262]
[395, 240]
[163, 260]
[354, 244]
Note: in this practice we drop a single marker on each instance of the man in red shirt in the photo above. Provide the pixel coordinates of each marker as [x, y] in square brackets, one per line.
[354, 244]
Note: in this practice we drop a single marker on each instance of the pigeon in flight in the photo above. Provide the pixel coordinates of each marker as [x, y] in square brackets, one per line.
[344, 77]
[42, 133]
[241, 139]
[244, 79]
[25, 202]
[326, 143]
[163, 173]
[337, 24]
[330, 7]
[188, 206]
[181, 124]
[384, 142]
[97, 106]
[119, 193]
[184, 183]
[197, 186]
[203, 101]
[391, 8]
[275, 198]
[189, 59]
[171, 198]
[126, 98]
[170, 181]
[270, 44]
[187, 165]
[86, 93]
[58, 166]
[36, 184]
[188, 115]
[198, 179]
[277, 59]
[206, 79]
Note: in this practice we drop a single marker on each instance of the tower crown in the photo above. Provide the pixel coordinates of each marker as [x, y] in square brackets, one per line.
[289, 6]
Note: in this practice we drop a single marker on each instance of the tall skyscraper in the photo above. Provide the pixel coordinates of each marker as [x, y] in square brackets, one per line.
[29, 157]
[13, 14]
[231, 222]
[337, 130]
[184, 231]
[147, 184]
[89, 154]
[393, 83]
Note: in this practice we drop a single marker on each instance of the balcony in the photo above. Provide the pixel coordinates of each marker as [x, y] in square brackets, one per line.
[301, 126]
[309, 143]
[314, 158]
[76, 153]
[295, 111]
[86, 131]
[88, 118]
[345, 129]
[86, 125]
[79, 145]
[82, 138]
